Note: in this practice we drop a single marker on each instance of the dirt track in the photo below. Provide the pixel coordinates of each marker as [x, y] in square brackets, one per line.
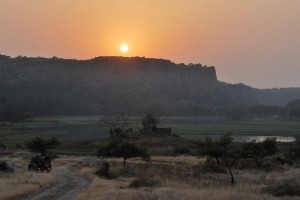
[66, 187]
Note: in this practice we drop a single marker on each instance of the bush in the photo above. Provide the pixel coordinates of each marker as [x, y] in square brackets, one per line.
[37, 145]
[289, 187]
[182, 150]
[106, 171]
[52, 142]
[125, 150]
[213, 167]
[270, 165]
[5, 168]
[144, 182]
[19, 146]
[3, 146]
[40, 145]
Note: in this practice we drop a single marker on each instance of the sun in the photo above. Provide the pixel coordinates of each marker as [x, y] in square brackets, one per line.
[124, 48]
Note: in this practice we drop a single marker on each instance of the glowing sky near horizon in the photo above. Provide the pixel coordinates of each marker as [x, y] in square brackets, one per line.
[254, 42]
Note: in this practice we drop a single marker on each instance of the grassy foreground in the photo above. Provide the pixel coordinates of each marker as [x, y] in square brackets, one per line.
[165, 177]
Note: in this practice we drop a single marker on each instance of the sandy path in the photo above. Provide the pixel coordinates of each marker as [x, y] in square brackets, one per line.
[67, 186]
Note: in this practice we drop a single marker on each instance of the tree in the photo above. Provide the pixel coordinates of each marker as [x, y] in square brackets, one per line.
[293, 153]
[13, 113]
[37, 145]
[222, 151]
[118, 124]
[216, 149]
[258, 151]
[40, 145]
[293, 108]
[269, 146]
[149, 123]
[125, 150]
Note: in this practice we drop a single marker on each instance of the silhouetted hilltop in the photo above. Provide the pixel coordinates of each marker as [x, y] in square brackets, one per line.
[55, 86]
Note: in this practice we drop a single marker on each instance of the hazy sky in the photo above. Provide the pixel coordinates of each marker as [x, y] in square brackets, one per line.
[256, 42]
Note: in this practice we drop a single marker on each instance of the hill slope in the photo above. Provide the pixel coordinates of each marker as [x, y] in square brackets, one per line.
[119, 84]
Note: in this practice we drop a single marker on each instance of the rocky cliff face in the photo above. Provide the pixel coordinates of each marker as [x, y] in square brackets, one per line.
[104, 84]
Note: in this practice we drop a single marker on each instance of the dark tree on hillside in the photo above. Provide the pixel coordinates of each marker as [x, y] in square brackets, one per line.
[293, 108]
[13, 113]
[120, 149]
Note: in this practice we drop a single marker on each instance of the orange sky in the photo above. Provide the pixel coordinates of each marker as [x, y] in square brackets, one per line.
[256, 42]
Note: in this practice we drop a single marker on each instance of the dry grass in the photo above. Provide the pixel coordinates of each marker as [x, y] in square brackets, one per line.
[181, 179]
[21, 182]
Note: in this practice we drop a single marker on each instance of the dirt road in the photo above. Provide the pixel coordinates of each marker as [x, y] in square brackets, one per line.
[66, 187]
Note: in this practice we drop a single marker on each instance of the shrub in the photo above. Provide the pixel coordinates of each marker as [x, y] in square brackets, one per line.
[103, 171]
[3, 146]
[5, 168]
[19, 146]
[106, 171]
[213, 167]
[289, 187]
[182, 150]
[52, 142]
[125, 150]
[270, 165]
[37, 145]
[144, 182]
[40, 145]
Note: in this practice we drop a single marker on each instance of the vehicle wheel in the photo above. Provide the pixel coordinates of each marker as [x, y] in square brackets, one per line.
[47, 164]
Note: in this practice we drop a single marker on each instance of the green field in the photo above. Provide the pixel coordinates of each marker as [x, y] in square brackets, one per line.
[85, 128]
[250, 128]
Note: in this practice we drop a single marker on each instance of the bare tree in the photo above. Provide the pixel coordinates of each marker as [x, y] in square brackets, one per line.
[150, 119]
[116, 123]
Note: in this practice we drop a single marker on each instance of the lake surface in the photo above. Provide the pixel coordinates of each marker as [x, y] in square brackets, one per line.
[92, 131]
[243, 138]
[87, 128]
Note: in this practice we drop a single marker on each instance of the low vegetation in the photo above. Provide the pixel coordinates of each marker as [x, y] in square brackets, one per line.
[125, 150]
[144, 182]
[179, 168]
[289, 187]
[40, 145]
[108, 171]
[4, 167]
[20, 182]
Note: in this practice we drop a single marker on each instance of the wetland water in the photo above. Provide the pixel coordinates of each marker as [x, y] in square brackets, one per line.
[85, 128]
[242, 138]
[92, 131]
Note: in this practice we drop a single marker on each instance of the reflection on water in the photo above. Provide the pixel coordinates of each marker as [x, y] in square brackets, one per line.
[244, 138]
[91, 131]
[277, 138]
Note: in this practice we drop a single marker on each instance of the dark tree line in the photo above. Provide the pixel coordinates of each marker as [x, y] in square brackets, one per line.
[13, 113]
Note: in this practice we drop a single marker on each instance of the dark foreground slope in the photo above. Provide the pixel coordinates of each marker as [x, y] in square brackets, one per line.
[118, 84]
